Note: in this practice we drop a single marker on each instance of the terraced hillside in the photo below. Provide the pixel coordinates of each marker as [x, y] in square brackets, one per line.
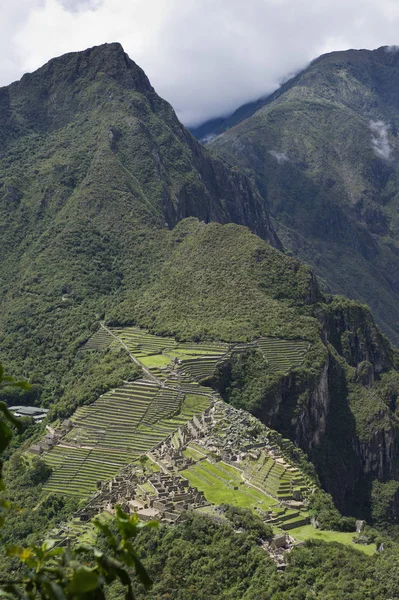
[193, 362]
[283, 355]
[276, 477]
[100, 340]
[221, 482]
[76, 470]
[115, 430]
[141, 344]
[127, 422]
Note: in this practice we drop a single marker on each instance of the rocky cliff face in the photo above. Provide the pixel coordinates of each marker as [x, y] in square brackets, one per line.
[346, 424]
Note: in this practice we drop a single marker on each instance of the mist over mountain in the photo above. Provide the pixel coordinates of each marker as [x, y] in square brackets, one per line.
[322, 151]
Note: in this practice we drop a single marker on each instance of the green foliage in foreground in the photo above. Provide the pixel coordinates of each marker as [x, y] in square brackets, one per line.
[201, 559]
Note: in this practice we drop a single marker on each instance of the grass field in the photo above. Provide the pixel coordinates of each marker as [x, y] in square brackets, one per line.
[307, 532]
[218, 481]
[156, 360]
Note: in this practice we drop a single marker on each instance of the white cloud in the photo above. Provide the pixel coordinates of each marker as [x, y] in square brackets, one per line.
[206, 57]
[280, 157]
[380, 140]
[208, 138]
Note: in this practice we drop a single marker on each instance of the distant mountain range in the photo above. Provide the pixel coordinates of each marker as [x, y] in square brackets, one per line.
[323, 152]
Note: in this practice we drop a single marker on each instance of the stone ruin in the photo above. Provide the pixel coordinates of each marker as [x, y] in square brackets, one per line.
[52, 437]
[278, 547]
[160, 496]
[223, 432]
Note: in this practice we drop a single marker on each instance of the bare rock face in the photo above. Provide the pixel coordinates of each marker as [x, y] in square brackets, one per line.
[342, 416]
[360, 525]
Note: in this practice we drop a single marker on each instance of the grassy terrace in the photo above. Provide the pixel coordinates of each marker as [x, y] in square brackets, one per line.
[100, 340]
[199, 367]
[77, 470]
[141, 343]
[277, 479]
[115, 430]
[306, 532]
[221, 483]
[283, 355]
[198, 360]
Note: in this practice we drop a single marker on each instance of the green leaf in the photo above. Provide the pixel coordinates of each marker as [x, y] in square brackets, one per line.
[20, 552]
[48, 544]
[5, 436]
[142, 573]
[54, 590]
[56, 552]
[84, 580]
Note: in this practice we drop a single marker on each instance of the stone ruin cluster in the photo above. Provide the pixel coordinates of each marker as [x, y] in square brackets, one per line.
[160, 496]
[278, 547]
[52, 437]
[222, 430]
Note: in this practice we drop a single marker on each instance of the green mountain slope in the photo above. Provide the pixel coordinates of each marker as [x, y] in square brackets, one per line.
[104, 205]
[94, 168]
[323, 152]
[339, 405]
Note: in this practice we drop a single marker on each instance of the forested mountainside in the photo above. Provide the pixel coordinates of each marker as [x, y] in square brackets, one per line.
[323, 153]
[113, 216]
[94, 168]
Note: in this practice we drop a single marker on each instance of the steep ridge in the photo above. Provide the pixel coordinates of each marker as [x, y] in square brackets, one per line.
[323, 152]
[94, 168]
[92, 118]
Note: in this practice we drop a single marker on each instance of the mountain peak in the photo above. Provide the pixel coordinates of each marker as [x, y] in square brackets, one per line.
[104, 61]
[51, 96]
[379, 57]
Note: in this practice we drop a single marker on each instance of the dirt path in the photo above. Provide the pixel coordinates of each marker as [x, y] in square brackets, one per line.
[134, 359]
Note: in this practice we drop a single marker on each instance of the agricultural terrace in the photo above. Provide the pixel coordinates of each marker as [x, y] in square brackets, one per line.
[224, 483]
[275, 477]
[100, 340]
[165, 357]
[115, 430]
[129, 421]
[283, 355]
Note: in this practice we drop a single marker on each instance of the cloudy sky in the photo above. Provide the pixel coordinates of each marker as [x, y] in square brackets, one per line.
[205, 56]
